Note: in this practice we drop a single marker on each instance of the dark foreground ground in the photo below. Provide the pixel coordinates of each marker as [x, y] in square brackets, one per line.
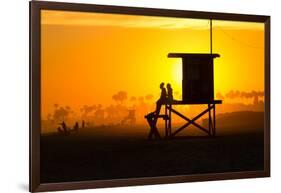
[86, 156]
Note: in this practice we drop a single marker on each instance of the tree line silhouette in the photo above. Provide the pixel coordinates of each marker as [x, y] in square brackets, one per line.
[128, 110]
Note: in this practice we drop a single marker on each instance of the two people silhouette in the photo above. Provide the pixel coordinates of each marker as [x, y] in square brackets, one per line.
[166, 97]
[65, 130]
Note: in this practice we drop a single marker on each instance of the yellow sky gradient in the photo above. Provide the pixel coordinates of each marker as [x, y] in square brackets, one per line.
[88, 57]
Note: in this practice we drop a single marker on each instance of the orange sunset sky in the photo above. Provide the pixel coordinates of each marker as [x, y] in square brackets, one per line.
[88, 57]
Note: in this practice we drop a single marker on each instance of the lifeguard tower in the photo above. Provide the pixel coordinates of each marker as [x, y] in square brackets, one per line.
[197, 89]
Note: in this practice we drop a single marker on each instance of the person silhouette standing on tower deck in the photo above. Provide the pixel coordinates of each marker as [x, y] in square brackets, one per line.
[153, 116]
[162, 99]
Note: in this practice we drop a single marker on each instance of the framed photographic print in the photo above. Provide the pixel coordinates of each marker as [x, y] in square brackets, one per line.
[125, 96]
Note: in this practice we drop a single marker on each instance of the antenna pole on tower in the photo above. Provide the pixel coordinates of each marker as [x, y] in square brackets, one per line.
[211, 36]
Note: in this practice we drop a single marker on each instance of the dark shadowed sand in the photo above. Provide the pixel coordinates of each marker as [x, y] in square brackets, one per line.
[93, 155]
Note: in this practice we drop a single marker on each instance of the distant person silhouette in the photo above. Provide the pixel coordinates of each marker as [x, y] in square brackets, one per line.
[162, 99]
[170, 97]
[76, 127]
[63, 128]
[83, 124]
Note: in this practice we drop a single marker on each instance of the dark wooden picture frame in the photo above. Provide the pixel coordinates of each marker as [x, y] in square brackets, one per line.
[35, 77]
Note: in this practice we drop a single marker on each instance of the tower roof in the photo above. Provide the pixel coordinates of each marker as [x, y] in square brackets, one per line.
[192, 55]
